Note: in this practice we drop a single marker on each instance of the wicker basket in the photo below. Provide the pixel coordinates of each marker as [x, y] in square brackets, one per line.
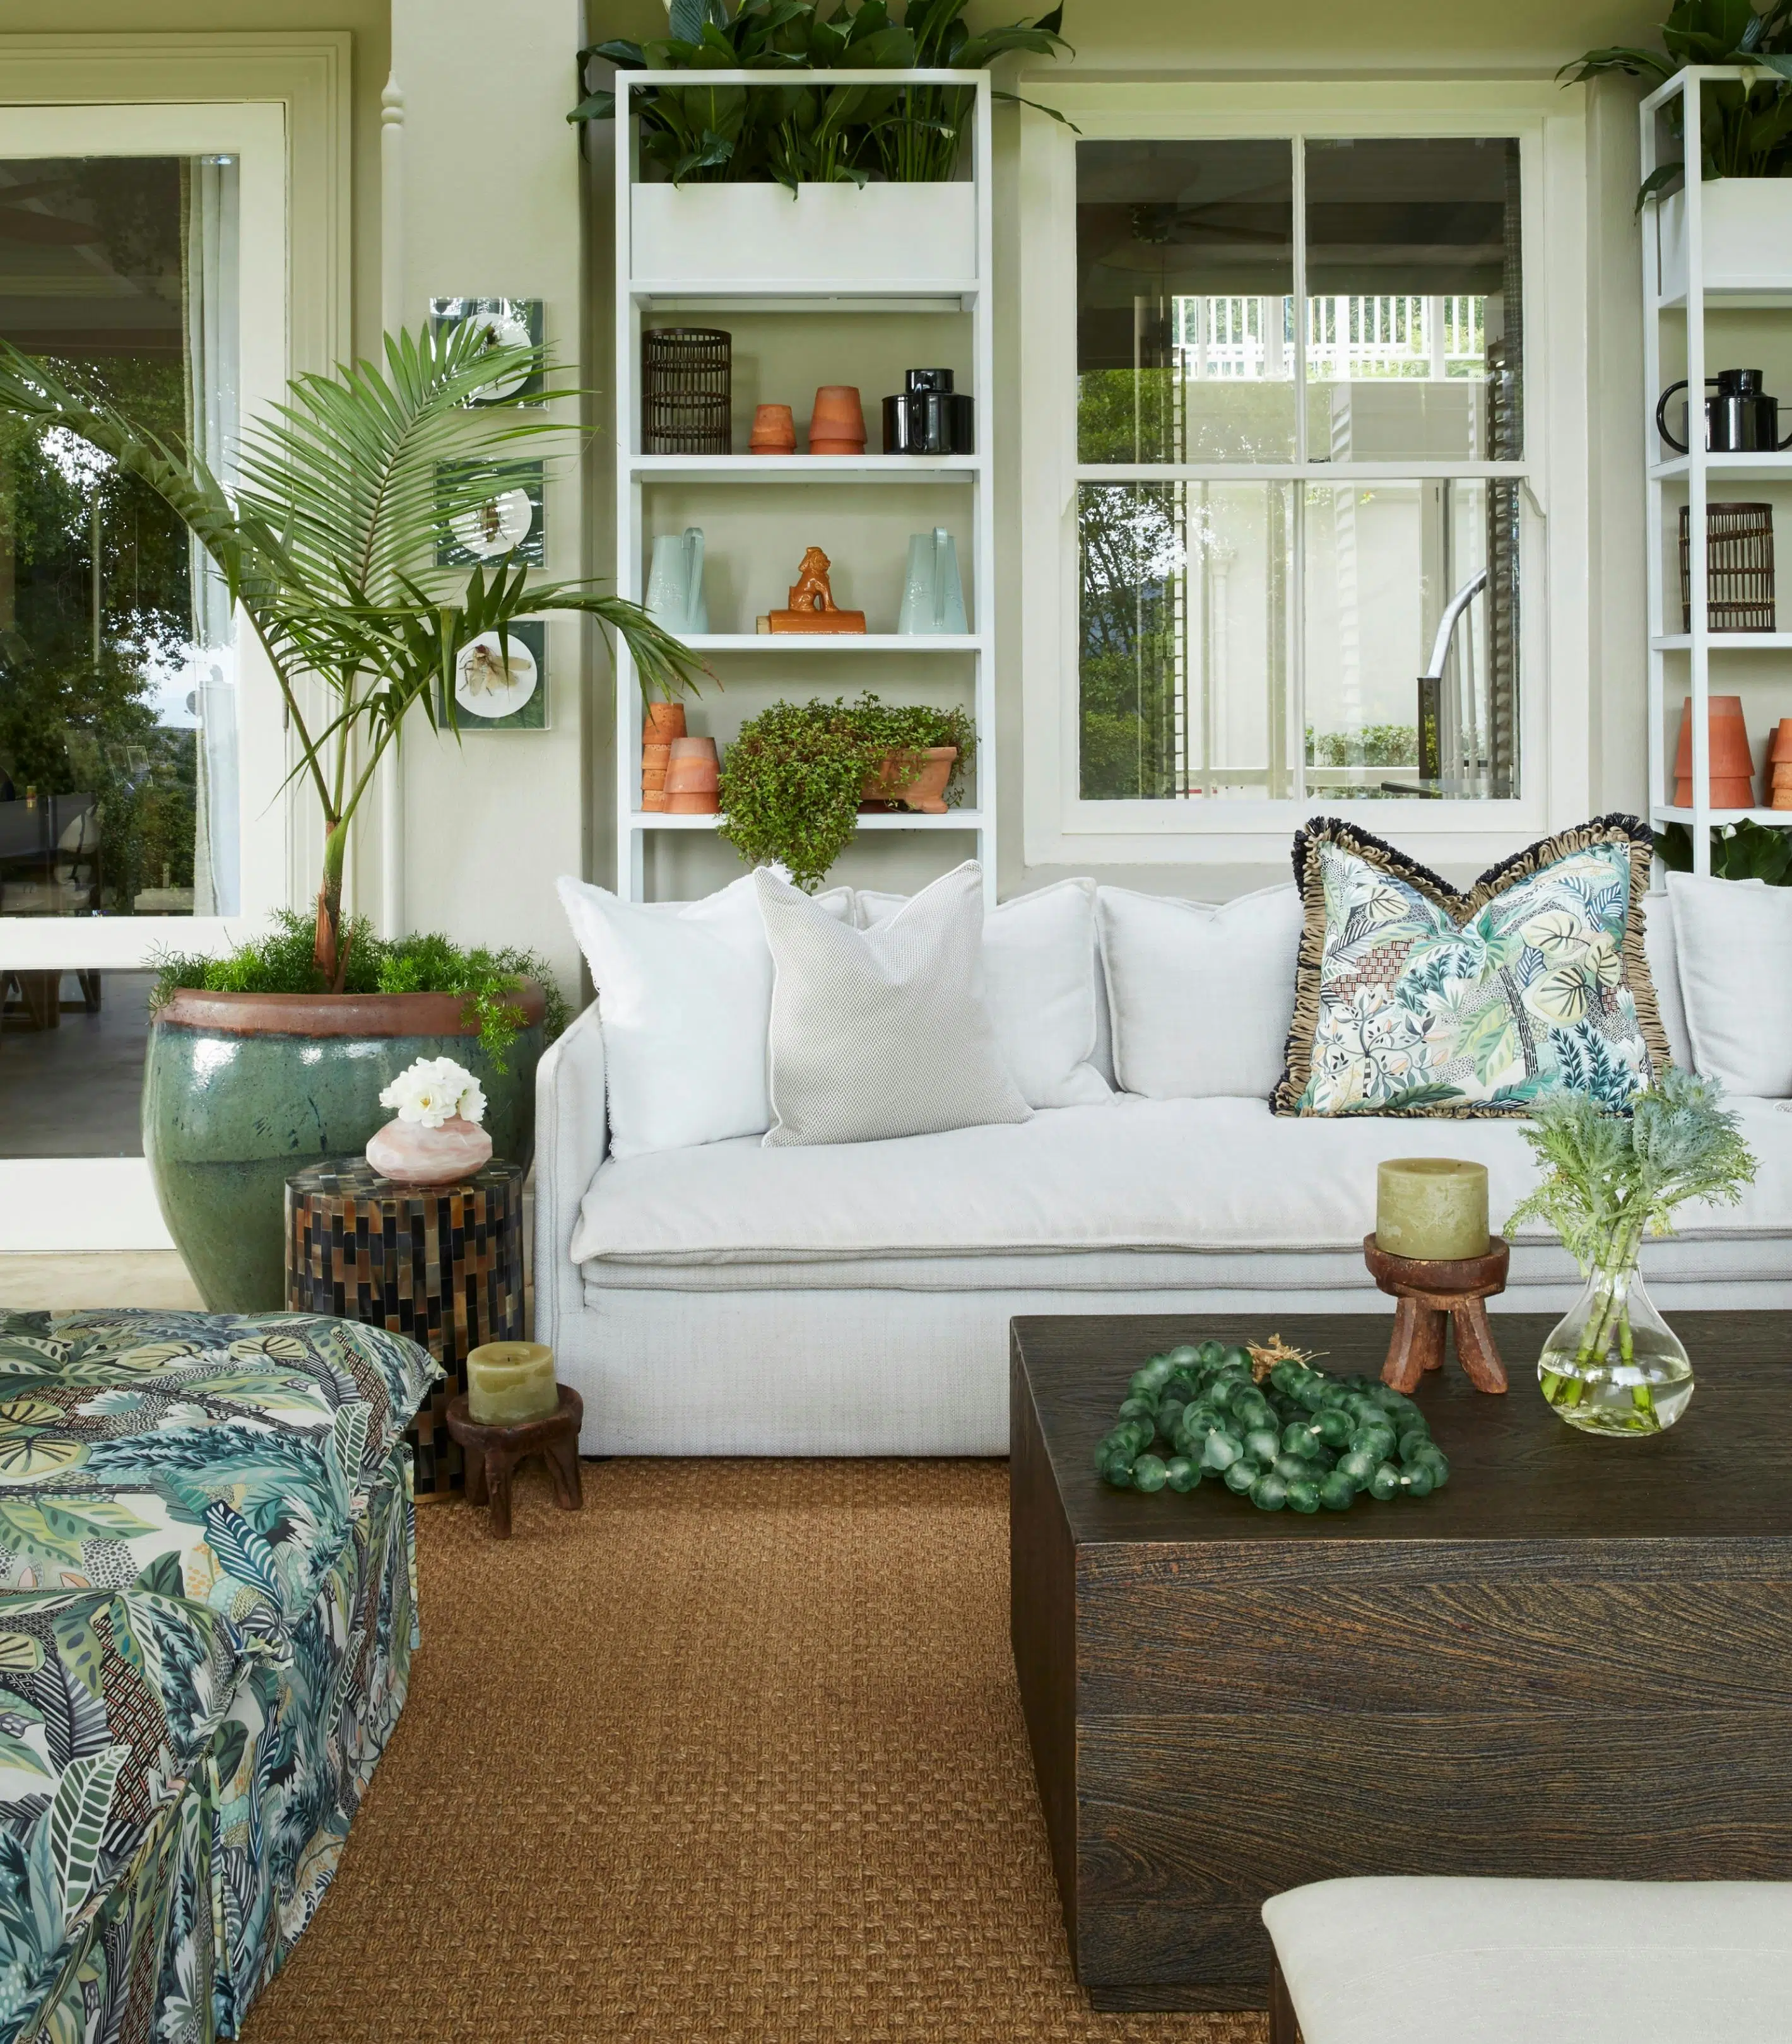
[1738, 567]
[686, 390]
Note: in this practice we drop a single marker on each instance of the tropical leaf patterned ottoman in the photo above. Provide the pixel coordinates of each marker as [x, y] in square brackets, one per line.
[207, 1610]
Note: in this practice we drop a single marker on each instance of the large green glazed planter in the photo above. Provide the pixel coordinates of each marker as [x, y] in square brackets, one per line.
[239, 1090]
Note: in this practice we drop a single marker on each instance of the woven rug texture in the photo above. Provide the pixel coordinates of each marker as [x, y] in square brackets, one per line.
[734, 1753]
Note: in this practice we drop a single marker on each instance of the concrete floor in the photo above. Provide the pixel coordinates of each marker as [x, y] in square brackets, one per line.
[76, 1090]
[124, 1277]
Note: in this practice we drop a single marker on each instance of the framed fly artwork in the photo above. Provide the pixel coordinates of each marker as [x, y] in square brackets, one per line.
[501, 523]
[504, 322]
[501, 680]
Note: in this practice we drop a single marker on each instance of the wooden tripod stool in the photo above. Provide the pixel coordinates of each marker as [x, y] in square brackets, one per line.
[492, 1452]
[1431, 1290]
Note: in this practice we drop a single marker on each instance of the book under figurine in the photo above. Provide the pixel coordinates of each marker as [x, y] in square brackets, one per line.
[812, 605]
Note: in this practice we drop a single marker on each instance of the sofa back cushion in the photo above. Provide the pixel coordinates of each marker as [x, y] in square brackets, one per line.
[1041, 982]
[1200, 995]
[1663, 953]
[882, 1032]
[1734, 939]
[684, 992]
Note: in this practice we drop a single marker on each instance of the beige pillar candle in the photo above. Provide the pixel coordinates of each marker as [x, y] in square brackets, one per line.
[509, 1382]
[1430, 1207]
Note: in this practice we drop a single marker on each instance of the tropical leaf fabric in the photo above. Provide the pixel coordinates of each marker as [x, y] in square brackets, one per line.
[1413, 999]
[207, 1612]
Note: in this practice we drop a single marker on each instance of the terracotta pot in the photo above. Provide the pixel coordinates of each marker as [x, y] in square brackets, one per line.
[1735, 793]
[653, 801]
[775, 430]
[1731, 757]
[691, 778]
[653, 780]
[655, 759]
[837, 423]
[662, 722]
[1781, 746]
[898, 780]
[241, 1089]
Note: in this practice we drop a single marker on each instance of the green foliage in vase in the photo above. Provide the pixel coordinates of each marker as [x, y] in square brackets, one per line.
[802, 133]
[1746, 125]
[792, 781]
[1611, 1179]
[281, 960]
[1747, 851]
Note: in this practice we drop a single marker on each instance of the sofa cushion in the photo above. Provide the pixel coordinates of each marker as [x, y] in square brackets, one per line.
[1662, 950]
[1200, 996]
[1081, 1195]
[685, 992]
[1041, 981]
[1413, 998]
[1734, 939]
[883, 1033]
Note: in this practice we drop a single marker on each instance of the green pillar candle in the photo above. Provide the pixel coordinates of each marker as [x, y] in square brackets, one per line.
[1434, 1208]
[511, 1381]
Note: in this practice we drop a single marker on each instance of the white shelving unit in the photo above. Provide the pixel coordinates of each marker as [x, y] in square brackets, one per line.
[1698, 257]
[658, 279]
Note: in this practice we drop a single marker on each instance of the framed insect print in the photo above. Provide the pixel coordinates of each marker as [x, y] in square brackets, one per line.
[490, 512]
[501, 680]
[504, 322]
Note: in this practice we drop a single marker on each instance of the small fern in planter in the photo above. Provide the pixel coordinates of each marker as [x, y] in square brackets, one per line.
[792, 781]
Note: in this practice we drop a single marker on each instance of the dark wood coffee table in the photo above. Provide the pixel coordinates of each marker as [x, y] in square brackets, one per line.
[1576, 1660]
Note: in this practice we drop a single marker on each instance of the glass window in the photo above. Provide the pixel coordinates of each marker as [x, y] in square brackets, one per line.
[1352, 636]
[72, 1047]
[118, 791]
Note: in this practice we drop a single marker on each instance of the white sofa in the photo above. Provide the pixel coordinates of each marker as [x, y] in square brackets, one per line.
[729, 1298]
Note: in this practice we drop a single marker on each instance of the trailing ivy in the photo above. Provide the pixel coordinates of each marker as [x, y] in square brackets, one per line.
[791, 781]
[281, 961]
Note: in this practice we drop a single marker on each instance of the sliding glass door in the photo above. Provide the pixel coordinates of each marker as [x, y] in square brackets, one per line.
[140, 751]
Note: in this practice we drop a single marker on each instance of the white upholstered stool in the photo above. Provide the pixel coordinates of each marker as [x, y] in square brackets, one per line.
[1468, 1961]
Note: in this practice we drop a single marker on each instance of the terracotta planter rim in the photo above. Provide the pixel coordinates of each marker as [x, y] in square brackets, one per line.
[331, 1014]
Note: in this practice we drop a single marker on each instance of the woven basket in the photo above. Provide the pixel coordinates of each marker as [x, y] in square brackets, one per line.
[687, 391]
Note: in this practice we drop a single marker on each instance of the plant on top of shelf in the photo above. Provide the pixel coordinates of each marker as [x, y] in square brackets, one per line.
[1745, 851]
[792, 781]
[323, 539]
[807, 134]
[1746, 127]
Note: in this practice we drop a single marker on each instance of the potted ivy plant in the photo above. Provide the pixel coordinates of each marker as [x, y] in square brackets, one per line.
[794, 781]
[874, 168]
[276, 1056]
[1744, 148]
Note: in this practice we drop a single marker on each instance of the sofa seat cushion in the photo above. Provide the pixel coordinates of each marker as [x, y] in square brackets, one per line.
[1135, 1192]
[221, 1458]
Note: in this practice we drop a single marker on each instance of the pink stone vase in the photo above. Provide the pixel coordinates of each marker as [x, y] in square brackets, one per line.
[411, 1154]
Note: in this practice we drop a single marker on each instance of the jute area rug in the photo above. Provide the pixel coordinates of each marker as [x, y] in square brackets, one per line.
[734, 1753]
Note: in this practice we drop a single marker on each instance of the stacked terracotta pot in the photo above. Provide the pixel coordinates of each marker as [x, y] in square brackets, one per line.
[1732, 764]
[663, 724]
[837, 424]
[691, 778]
[1779, 766]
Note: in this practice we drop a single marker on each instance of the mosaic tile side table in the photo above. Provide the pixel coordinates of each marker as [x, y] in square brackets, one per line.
[442, 1264]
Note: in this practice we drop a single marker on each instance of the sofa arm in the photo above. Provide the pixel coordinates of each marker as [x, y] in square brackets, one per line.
[572, 1137]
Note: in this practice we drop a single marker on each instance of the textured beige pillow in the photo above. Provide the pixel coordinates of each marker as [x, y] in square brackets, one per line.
[881, 1032]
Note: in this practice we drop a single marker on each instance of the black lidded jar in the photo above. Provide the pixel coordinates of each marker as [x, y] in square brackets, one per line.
[929, 417]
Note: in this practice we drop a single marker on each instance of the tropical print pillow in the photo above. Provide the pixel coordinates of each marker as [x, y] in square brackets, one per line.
[1411, 998]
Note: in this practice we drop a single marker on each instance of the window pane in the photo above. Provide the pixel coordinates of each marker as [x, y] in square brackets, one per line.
[1414, 311]
[118, 698]
[1185, 635]
[72, 1047]
[1185, 313]
[1395, 704]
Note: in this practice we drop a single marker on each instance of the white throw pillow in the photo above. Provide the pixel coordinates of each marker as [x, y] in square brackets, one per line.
[684, 992]
[1734, 939]
[882, 1032]
[1200, 995]
[1040, 982]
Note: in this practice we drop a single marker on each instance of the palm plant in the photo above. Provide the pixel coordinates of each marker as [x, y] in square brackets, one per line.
[341, 494]
[1745, 127]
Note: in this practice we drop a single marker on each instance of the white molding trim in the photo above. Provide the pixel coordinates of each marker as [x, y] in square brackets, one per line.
[1059, 828]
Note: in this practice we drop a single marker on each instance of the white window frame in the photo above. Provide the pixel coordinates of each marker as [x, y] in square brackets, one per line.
[1059, 827]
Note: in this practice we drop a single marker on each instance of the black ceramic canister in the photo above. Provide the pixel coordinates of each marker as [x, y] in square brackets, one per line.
[930, 417]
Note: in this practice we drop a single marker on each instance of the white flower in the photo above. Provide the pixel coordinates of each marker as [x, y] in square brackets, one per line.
[434, 1090]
